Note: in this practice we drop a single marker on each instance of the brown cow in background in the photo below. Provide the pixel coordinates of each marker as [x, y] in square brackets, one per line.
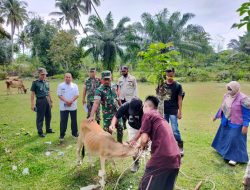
[15, 83]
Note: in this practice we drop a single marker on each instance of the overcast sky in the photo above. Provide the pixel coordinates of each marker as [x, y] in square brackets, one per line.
[216, 16]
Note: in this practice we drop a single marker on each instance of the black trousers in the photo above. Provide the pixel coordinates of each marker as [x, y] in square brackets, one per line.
[64, 115]
[158, 179]
[43, 111]
[124, 120]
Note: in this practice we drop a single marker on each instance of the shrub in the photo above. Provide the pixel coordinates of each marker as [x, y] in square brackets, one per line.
[223, 75]
[3, 75]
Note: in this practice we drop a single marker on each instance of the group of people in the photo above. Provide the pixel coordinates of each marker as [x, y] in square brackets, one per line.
[123, 109]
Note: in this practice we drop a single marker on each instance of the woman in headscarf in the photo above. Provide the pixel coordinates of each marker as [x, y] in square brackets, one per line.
[231, 138]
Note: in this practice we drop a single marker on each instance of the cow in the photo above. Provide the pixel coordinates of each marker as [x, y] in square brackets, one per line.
[16, 83]
[101, 143]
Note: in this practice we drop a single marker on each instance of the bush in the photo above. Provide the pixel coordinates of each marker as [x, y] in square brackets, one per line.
[58, 76]
[3, 75]
[197, 75]
[223, 76]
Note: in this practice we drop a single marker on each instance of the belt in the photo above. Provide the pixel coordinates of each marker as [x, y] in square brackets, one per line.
[41, 97]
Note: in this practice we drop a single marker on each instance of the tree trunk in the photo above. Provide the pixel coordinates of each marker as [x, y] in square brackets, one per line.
[12, 42]
[23, 48]
[95, 10]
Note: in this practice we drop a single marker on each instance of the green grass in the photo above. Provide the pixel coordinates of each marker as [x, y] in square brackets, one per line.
[60, 172]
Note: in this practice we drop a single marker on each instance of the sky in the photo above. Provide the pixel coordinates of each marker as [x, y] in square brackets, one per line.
[216, 16]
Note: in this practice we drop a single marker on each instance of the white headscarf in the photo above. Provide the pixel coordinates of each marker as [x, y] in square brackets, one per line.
[230, 97]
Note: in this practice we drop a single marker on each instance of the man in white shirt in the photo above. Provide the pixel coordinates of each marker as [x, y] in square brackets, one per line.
[68, 93]
[128, 88]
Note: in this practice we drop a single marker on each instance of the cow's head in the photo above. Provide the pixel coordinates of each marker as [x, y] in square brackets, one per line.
[25, 90]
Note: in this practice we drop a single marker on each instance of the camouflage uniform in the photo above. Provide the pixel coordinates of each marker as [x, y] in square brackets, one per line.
[108, 97]
[91, 85]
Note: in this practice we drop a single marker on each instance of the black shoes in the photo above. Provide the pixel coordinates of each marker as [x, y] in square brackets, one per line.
[41, 135]
[50, 131]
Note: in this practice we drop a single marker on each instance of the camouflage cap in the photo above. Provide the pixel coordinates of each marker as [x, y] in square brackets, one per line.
[92, 69]
[106, 75]
[42, 71]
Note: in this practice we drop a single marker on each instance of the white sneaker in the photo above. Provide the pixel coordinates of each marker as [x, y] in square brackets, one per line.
[232, 163]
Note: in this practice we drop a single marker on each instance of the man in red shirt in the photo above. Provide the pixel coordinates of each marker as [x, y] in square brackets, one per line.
[163, 166]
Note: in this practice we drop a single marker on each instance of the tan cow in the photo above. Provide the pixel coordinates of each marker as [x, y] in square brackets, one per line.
[101, 143]
[16, 83]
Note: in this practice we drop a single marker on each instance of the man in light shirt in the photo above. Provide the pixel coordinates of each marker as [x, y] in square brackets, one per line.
[128, 88]
[68, 93]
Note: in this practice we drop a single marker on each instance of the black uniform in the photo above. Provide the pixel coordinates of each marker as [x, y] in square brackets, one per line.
[43, 105]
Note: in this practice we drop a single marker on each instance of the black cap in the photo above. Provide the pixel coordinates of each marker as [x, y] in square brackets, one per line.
[169, 70]
[135, 105]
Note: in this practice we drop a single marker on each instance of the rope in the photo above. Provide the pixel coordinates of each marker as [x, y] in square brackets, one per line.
[137, 158]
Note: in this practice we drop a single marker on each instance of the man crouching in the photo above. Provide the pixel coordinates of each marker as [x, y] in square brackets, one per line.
[163, 167]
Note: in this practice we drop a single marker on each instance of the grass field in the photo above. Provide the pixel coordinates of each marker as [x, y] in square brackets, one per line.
[20, 146]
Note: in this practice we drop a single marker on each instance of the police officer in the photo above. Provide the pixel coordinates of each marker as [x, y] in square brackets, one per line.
[128, 88]
[40, 89]
[107, 96]
[89, 88]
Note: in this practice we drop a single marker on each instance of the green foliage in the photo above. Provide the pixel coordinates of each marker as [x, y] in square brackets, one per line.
[157, 59]
[64, 53]
[106, 42]
[244, 10]
[15, 13]
[5, 51]
[40, 35]
[241, 45]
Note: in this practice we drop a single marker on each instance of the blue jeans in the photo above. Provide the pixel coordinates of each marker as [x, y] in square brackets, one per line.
[174, 124]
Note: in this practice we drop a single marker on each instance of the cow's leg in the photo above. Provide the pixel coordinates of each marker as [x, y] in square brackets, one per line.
[79, 150]
[113, 164]
[102, 172]
[91, 162]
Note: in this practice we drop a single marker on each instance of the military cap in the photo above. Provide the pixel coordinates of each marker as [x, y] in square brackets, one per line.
[92, 69]
[106, 75]
[42, 71]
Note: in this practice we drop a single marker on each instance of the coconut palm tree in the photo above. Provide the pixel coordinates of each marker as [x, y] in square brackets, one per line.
[66, 12]
[15, 13]
[105, 41]
[165, 27]
[89, 4]
[23, 40]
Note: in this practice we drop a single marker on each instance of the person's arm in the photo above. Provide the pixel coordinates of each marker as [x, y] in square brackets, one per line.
[133, 141]
[179, 107]
[32, 99]
[144, 141]
[136, 89]
[245, 114]
[94, 109]
[84, 94]
[76, 94]
[113, 123]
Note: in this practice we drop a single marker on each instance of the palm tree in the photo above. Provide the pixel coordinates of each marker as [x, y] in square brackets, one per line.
[66, 14]
[23, 40]
[15, 13]
[105, 41]
[241, 45]
[165, 27]
[3, 32]
[89, 4]
[70, 12]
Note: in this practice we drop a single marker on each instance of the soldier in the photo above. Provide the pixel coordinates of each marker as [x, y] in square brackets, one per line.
[40, 89]
[89, 88]
[128, 88]
[106, 95]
